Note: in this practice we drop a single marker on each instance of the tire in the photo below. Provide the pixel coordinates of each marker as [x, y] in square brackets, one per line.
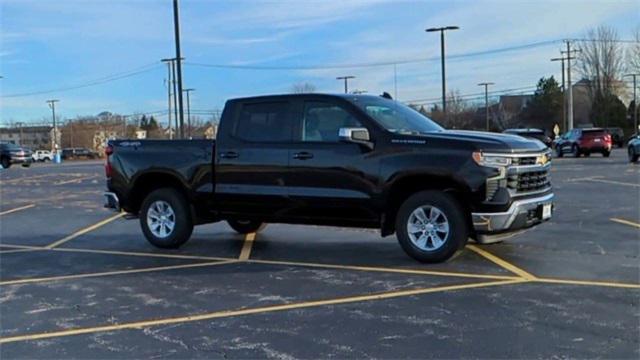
[172, 205]
[575, 151]
[633, 157]
[559, 151]
[587, 154]
[246, 226]
[450, 212]
[606, 153]
[5, 162]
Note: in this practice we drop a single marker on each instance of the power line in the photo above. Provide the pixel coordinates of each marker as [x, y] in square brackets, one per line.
[373, 64]
[98, 81]
[526, 88]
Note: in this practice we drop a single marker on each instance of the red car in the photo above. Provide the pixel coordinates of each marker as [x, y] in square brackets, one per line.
[584, 141]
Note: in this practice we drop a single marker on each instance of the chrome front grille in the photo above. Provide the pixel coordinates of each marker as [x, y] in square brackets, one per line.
[529, 181]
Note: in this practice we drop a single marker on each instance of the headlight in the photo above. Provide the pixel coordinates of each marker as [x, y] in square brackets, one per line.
[491, 161]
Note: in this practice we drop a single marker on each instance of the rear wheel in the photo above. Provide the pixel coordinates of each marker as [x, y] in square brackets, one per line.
[165, 218]
[633, 157]
[587, 154]
[246, 226]
[5, 162]
[606, 153]
[431, 226]
[575, 151]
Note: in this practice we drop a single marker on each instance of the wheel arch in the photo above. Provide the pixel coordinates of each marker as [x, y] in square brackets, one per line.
[402, 188]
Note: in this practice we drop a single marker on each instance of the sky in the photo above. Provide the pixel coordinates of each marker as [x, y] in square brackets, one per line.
[54, 49]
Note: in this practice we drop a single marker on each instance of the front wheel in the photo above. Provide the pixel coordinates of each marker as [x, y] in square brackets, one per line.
[559, 151]
[431, 226]
[165, 218]
[5, 162]
[246, 226]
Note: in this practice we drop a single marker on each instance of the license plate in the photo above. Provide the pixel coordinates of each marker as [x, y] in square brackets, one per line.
[597, 140]
[546, 211]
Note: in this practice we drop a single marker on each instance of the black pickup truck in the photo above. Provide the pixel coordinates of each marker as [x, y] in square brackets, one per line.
[341, 160]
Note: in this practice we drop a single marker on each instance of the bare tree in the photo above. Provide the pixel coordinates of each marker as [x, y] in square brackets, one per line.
[303, 88]
[601, 61]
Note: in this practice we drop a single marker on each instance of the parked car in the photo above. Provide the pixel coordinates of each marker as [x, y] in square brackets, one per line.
[14, 154]
[78, 153]
[341, 160]
[633, 148]
[531, 134]
[42, 155]
[617, 136]
[584, 142]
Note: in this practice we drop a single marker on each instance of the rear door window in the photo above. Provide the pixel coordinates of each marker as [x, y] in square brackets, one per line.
[264, 122]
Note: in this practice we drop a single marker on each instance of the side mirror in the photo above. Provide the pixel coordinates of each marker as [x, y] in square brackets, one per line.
[356, 135]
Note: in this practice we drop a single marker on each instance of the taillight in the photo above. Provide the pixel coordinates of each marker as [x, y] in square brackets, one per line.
[607, 138]
[108, 170]
[108, 150]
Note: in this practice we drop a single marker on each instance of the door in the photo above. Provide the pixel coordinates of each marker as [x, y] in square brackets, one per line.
[252, 159]
[328, 178]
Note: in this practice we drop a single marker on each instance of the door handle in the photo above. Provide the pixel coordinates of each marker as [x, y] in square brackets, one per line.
[303, 155]
[229, 155]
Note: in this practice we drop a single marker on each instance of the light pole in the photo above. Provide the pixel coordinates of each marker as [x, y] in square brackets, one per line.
[444, 85]
[169, 92]
[52, 105]
[635, 103]
[564, 90]
[178, 59]
[346, 84]
[486, 100]
[187, 91]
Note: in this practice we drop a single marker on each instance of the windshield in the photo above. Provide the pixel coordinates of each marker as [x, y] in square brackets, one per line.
[397, 117]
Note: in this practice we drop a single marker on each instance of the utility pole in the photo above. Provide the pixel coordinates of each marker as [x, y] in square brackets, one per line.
[486, 101]
[569, 85]
[635, 103]
[52, 105]
[564, 96]
[444, 82]
[169, 87]
[346, 84]
[187, 91]
[176, 23]
[124, 126]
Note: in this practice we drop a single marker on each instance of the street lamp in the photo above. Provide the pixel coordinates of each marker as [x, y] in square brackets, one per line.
[486, 101]
[52, 105]
[187, 91]
[346, 84]
[444, 85]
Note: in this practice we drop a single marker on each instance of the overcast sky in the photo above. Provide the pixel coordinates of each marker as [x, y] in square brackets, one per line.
[48, 45]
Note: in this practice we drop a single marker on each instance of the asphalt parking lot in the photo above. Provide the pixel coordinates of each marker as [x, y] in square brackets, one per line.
[77, 281]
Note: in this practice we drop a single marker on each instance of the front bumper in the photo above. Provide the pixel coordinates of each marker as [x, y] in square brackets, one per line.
[21, 159]
[111, 201]
[521, 214]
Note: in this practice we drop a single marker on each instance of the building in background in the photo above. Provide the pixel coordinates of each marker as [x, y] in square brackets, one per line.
[33, 137]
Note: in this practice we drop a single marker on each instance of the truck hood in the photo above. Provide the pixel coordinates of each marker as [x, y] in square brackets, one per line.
[488, 141]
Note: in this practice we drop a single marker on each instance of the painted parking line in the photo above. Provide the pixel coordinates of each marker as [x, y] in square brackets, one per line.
[17, 250]
[502, 263]
[247, 246]
[78, 180]
[84, 231]
[588, 283]
[25, 178]
[17, 209]
[111, 273]
[250, 311]
[386, 269]
[626, 222]
[614, 182]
